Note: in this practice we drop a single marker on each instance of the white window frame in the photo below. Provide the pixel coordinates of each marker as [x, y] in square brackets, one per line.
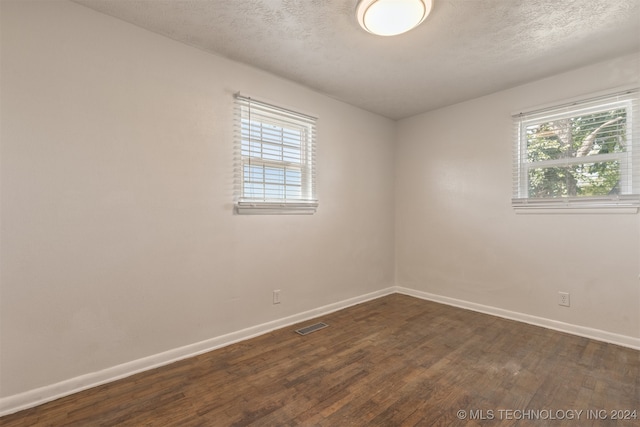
[272, 145]
[628, 200]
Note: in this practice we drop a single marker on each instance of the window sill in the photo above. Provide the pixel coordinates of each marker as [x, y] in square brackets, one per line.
[628, 204]
[261, 208]
[520, 210]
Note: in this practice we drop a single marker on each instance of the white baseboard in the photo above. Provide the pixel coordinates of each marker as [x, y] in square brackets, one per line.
[31, 398]
[582, 331]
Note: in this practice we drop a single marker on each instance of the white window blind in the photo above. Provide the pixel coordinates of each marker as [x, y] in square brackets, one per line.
[583, 154]
[275, 148]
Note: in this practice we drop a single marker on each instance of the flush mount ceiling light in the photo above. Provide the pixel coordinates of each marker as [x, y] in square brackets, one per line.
[392, 17]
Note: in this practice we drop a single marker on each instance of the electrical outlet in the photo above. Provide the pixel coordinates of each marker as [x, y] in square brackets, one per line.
[276, 296]
[563, 299]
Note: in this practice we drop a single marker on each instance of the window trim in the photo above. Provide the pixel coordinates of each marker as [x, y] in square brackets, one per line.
[628, 202]
[267, 111]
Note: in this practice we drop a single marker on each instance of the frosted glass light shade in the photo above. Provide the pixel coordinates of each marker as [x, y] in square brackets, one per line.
[392, 17]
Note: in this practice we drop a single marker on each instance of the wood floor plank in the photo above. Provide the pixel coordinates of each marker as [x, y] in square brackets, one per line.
[393, 361]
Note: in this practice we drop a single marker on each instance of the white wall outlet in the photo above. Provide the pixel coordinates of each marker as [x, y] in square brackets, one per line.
[563, 299]
[276, 296]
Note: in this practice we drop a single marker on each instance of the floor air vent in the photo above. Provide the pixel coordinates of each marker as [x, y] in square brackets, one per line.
[312, 328]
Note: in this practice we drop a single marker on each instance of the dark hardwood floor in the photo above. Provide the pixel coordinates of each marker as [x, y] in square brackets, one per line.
[394, 361]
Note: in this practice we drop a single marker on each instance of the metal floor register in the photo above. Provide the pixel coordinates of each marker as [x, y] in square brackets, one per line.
[311, 328]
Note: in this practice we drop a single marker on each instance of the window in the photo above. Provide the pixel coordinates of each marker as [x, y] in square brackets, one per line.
[276, 150]
[585, 154]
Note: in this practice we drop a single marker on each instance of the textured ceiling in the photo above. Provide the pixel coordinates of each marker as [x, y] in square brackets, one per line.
[465, 48]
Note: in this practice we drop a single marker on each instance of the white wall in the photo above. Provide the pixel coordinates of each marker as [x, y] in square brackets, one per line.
[118, 237]
[458, 237]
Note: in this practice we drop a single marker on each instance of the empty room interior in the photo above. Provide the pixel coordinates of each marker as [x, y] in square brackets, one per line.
[287, 212]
